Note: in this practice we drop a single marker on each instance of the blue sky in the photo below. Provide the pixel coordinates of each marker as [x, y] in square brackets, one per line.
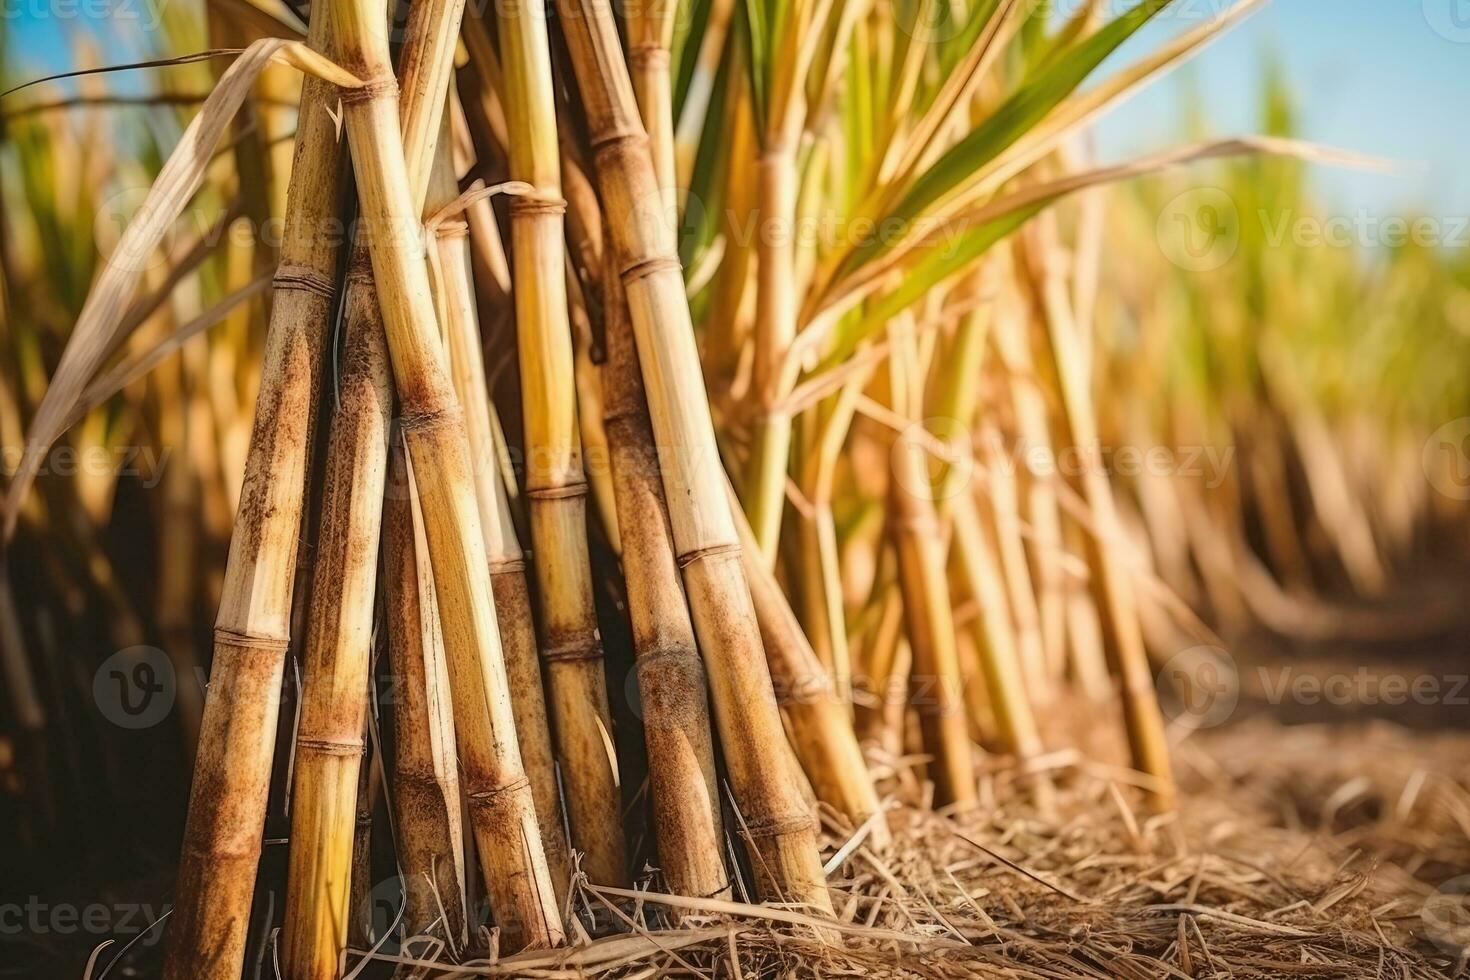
[1386, 77]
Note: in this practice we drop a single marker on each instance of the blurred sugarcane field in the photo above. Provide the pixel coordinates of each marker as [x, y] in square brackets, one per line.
[734, 488]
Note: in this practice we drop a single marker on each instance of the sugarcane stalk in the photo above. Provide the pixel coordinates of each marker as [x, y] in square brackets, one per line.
[671, 676]
[817, 570]
[428, 828]
[502, 546]
[1038, 496]
[778, 824]
[650, 28]
[555, 483]
[1004, 511]
[329, 738]
[502, 811]
[725, 329]
[819, 716]
[1087, 659]
[936, 684]
[994, 637]
[880, 654]
[776, 306]
[227, 801]
[586, 355]
[939, 691]
[368, 787]
[954, 402]
[778, 189]
[1111, 582]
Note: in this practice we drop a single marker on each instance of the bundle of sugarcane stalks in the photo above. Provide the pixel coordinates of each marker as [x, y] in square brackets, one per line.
[736, 342]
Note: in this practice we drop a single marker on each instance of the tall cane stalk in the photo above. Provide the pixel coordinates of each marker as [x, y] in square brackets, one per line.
[237, 736]
[502, 811]
[340, 624]
[329, 735]
[820, 718]
[555, 483]
[671, 675]
[780, 828]
[1112, 584]
[936, 687]
[507, 559]
[427, 814]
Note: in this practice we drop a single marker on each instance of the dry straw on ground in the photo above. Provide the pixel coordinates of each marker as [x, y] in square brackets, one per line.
[1247, 880]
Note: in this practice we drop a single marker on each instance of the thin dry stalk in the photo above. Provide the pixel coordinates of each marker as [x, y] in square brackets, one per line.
[779, 824]
[329, 738]
[555, 482]
[819, 717]
[502, 811]
[827, 425]
[994, 636]
[227, 802]
[650, 28]
[1111, 579]
[936, 685]
[426, 803]
[1038, 495]
[1003, 507]
[456, 305]
[776, 307]
[671, 676]
[339, 633]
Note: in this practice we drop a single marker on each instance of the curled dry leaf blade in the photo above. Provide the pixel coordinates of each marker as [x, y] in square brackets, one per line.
[181, 176]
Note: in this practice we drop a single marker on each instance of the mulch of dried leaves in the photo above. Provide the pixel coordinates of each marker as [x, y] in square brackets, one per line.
[1299, 852]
